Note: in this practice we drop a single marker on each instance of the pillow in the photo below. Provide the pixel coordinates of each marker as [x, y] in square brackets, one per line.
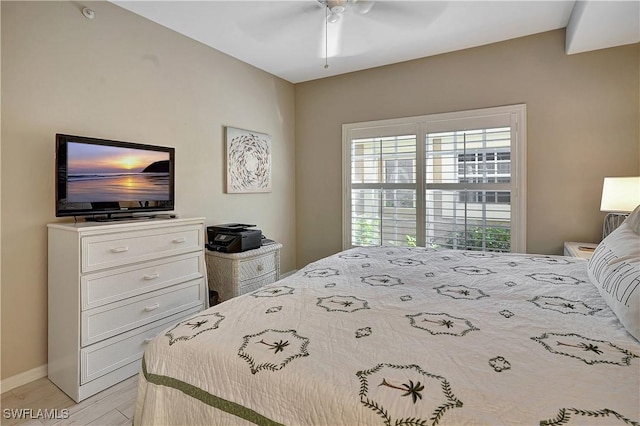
[634, 220]
[614, 269]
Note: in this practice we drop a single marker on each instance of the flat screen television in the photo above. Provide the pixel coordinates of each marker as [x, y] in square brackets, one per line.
[110, 179]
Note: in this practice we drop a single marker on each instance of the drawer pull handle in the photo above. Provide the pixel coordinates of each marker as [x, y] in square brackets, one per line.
[120, 249]
[152, 307]
[180, 240]
[148, 339]
[260, 268]
[152, 276]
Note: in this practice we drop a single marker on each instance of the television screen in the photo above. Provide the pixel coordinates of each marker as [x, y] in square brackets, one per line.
[99, 176]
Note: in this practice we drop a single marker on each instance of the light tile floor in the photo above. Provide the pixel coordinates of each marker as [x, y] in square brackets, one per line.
[113, 406]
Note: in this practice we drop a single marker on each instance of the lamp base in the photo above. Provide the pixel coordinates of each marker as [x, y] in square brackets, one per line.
[611, 222]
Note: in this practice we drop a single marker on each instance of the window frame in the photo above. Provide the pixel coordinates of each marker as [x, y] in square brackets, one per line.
[420, 126]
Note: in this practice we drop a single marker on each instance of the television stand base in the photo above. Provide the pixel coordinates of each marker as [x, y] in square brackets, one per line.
[117, 218]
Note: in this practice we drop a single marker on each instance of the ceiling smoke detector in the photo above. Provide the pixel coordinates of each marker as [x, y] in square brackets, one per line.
[88, 13]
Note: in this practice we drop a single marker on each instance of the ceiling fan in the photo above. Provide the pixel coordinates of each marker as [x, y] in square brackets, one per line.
[349, 26]
[334, 10]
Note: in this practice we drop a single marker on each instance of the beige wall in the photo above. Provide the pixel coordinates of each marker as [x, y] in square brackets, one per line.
[582, 116]
[122, 77]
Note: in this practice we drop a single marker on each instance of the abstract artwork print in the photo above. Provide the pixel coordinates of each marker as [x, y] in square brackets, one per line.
[248, 161]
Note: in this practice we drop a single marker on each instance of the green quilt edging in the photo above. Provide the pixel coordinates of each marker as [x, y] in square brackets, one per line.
[206, 398]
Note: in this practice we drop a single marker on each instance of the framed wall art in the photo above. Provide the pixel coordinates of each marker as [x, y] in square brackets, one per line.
[248, 157]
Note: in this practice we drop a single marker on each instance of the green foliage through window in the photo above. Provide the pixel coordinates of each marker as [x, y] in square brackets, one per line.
[489, 238]
[364, 232]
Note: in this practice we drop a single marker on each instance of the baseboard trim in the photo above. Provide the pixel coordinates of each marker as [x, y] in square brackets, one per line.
[23, 378]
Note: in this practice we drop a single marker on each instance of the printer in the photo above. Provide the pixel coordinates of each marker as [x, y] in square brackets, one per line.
[233, 237]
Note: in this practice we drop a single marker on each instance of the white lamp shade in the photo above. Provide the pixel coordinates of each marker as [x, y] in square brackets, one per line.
[620, 194]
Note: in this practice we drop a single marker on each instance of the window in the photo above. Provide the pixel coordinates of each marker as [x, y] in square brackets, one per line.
[453, 180]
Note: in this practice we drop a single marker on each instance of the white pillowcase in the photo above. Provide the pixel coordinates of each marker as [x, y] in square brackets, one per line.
[634, 220]
[614, 269]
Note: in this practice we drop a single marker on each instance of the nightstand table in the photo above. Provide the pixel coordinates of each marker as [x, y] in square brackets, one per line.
[233, 274]
[583, 250]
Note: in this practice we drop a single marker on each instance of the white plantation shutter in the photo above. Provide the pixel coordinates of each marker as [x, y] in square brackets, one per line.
[383, 186]
[468, 189]
[453, 180]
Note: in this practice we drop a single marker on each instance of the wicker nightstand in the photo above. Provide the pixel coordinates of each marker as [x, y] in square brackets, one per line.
[233, 274]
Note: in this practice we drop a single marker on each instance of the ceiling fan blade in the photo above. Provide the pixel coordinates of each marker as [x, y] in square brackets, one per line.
[357, 35]
[394, 13]
[270, 18]
[330, 44]
[363, 6]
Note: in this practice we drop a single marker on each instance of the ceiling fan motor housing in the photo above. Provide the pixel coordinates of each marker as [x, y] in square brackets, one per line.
[336, 6]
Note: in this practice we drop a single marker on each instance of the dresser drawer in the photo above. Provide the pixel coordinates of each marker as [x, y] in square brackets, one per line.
[109, 320]
[109, 286]
[109, 250]
[257, 266]
[248, 286]
[116, 352]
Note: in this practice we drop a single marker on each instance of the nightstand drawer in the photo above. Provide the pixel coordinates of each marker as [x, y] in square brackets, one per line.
[256, 267]
[111, 354]
[248, 286]
[109, 320]
[233, 274]
[110, 286]
[109, 250]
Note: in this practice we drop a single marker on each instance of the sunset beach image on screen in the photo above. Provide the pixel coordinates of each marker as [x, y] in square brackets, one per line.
[105, 173]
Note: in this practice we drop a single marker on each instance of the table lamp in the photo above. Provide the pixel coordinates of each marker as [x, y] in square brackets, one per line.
[620, 196]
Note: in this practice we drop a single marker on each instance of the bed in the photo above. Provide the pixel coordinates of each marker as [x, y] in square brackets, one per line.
[406, 336]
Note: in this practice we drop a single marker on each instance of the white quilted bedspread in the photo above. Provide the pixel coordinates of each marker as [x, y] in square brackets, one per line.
[387, 335]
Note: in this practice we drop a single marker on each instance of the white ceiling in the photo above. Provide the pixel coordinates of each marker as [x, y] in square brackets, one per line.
[287, 38]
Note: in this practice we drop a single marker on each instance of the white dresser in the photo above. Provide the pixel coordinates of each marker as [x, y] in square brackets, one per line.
[112, 288]
[233, 274]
